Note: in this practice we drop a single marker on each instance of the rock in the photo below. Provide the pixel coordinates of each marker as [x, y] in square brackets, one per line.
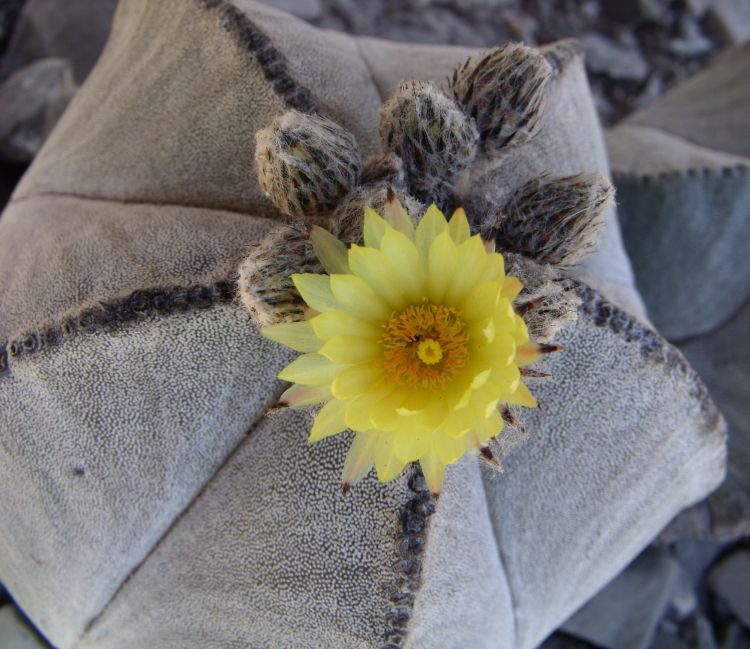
[729, 581]
[683, 601]
[633, 11]
[31, 102]
[695, 558]
[693, 633]
[735, 637]
[9, 10]
[698, 7]
[722, 517]
[691, 42]
[626, 612]
[615, 61]
[305, 9]
[731, 19]
[15, 632]
[562, 641]
[75, 30]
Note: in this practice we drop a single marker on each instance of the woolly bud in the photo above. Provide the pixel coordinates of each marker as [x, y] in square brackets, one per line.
[346, 221]
[265, 284]
[504, 93]
[553, 219]
[384, 167]
[548, 301]
[306, 163]
[429, 132]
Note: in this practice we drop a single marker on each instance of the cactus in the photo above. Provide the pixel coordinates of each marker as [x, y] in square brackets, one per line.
[552, 219]
[306, 163]
[504, 92]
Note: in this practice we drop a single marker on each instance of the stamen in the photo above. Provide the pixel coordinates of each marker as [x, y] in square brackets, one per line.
[424, 346]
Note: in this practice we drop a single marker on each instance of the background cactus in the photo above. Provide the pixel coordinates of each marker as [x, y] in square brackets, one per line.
[306, 163]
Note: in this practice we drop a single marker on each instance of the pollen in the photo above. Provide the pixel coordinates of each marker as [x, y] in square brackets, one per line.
[424, 346]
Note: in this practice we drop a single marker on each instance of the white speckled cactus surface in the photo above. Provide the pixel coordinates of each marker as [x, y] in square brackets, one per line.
[154, 495]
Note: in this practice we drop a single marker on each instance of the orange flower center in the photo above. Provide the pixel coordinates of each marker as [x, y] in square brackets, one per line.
[424, 346]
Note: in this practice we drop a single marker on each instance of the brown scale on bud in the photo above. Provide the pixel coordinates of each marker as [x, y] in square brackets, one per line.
[431, 134]
[346, 222]
[547, 302]
[553, 219]
[265, 285]
[306, 163]
[505, 93]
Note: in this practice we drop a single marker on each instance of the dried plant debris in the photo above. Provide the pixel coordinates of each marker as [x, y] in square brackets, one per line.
[306, 163]
[552, 219]
[504, 92]
[265, 283]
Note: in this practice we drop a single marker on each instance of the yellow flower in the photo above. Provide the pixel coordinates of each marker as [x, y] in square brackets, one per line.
[412, 342]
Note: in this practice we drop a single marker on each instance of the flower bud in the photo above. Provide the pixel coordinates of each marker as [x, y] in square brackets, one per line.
[553, 219]
[504, 93]
[306, 163]
[265, 284]
[429, 132]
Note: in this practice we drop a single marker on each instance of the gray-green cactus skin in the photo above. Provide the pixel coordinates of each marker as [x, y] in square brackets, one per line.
[306, 163]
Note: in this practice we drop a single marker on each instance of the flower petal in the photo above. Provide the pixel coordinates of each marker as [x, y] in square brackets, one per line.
[403, 254]
[434, 471]
[334, 323]
[297, 335]
[398, 217]
[355, 295]
[329, 421]
[350, 349]
[481, 301]
[458, 227]
[522, 397]
[449, 449]
[374, 268]
[430, 226]
[512, 288]
[356, 379]
[387, 464]
[442, 261]
[310, 369]
[360, 457]
[373, 228]
[471, 262]
[329, 250]
[298, 395]
[410, 445]
[315, 290]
